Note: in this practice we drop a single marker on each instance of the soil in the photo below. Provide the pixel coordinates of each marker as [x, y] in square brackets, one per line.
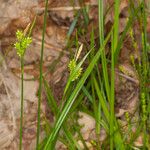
[17, 14]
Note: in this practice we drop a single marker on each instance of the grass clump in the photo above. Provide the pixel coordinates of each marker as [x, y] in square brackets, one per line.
[90, 87]
[97, 85]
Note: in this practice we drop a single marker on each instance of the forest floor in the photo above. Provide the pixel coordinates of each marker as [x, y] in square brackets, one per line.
[17, 14]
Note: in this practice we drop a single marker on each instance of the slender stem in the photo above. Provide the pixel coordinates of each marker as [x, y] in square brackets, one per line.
[112, 91]
[103, 56]
[112, 99]
[21, 111]
[144, 74]
[41, 73]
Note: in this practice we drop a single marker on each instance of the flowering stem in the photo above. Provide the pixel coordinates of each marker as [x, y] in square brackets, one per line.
[21, 111]
[40, 79]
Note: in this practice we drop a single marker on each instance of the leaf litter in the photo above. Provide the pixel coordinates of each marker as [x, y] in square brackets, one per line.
[18, 14]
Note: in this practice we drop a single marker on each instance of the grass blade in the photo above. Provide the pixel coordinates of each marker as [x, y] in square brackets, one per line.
[72, 98]
[55, 109]
[112, 92]
[103, 56]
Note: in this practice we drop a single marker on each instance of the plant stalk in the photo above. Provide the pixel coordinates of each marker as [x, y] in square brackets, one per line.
[41, 76]
[21, 111]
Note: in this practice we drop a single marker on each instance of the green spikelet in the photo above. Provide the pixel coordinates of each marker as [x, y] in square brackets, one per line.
[72, 65]
[22, 43]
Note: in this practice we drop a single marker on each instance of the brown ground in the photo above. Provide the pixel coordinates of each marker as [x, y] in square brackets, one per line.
[16, 14]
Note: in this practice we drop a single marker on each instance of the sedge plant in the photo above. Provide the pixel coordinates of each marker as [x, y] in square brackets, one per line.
[50, 144]
[22, 43]
[97, 86]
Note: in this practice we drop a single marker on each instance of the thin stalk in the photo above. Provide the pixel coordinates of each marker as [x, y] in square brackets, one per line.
[101, 23]
[96, 105]
[112, 94]
[97, 111]
[103, 56]
[144, 44]
[41, 74]
[98, 125]
[21, 111]
[112, 99]
[144, 74]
